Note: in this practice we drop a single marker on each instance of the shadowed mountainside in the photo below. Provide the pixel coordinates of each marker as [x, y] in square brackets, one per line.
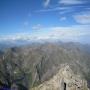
[34, 64]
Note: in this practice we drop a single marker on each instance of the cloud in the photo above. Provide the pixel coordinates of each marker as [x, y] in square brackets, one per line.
[82, 18]
[63, 18]
[69, 6]
[54, 9]
[37, 27]
[70, 2]
[66, 11]
[70, 33]
[77, 30]
[46, 3]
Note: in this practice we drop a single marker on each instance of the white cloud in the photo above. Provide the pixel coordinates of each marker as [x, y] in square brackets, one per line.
[62, 18]
[72, 33]
[70, 2]
[67, 7]
[54, 9]
[46, 3]
[82, 18]
[37, 27]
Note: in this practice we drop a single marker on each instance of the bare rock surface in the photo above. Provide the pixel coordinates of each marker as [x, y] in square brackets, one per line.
[65, 79]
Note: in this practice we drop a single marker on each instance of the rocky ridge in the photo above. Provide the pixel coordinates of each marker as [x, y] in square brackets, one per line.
[65, 79]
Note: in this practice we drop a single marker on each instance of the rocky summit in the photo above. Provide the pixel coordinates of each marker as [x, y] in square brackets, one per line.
[65, 79]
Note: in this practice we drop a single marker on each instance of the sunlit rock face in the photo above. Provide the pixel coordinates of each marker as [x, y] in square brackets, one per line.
[65, 79]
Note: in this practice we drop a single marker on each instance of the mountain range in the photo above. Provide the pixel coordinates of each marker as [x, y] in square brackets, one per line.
[32, 64]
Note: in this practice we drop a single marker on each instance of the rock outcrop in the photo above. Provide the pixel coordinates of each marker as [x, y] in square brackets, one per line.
[65, 79]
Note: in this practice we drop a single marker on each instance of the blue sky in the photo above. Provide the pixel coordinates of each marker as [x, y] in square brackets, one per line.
[45, 19]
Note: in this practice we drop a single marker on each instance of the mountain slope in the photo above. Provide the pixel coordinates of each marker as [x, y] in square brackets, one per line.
[39, 62]
[65, 79]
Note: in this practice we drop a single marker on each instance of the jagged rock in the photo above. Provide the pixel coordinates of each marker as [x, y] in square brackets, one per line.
[65, 79]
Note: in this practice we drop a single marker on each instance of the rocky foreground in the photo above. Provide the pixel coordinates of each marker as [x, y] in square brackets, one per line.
[65, 79]
[47, 66]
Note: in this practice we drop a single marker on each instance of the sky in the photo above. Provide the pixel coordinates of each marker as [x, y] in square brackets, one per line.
[67, 20]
